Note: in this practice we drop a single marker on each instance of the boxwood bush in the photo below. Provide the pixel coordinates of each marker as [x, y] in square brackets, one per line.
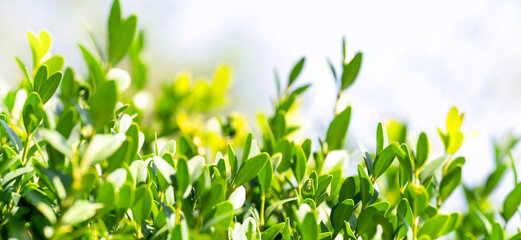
[98, 157]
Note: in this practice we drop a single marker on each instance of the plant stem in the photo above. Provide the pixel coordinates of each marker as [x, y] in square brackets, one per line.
[26, 149]
[263, 203]
[178, 212]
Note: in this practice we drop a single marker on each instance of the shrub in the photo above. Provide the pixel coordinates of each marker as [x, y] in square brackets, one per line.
[81, 160]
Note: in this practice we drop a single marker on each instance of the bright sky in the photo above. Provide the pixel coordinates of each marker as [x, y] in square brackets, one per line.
[419, 58]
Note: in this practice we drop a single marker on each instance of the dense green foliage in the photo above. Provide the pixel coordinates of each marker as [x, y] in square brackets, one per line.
[93, 157]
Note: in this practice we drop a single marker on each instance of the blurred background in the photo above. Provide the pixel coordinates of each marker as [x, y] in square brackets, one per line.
[419, 59]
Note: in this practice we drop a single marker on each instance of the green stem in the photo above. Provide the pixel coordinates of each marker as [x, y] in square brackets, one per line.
[178, 212]
[263, 203]
[26, 149]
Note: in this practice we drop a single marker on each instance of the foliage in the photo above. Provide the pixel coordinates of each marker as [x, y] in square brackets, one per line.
[81, 159]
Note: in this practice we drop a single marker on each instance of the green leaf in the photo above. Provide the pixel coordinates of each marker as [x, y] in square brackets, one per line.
[272, 232]
[511, 203]
[265, 176]
[298, 164]
[121, 33]
[182, 177]
[120, 156]
[338, 129]
[366, 186]
[106, 195]
[250, 169]
[102, 104]
[433, 227]
[366, 219]
[404, 210]
[33, 112]
[350, 71]
[12, 136]
[422, 151]
[40, 78]
[309, 228]
[27, 80]
[223, 215]
[232, 160]
[124, 197]
[69, 87]
[497, 231]
[80, 211]
[383, 160]
[340, 213]
[369, 162]
[382, 138]
[296, 71]
[40, 45]
[450, 181]
[142, 205]
[50, 86]
[418, 198]
[348, 232]
[406, 171]
[348, 189]
[97, 77]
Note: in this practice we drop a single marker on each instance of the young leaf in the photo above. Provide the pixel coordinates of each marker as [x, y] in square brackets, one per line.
[422, 151]
[296, 71]
[382, 138]
[337, 129]
[121, 33]
[350, 71]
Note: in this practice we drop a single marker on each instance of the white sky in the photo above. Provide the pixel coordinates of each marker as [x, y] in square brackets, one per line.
[420, 58]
